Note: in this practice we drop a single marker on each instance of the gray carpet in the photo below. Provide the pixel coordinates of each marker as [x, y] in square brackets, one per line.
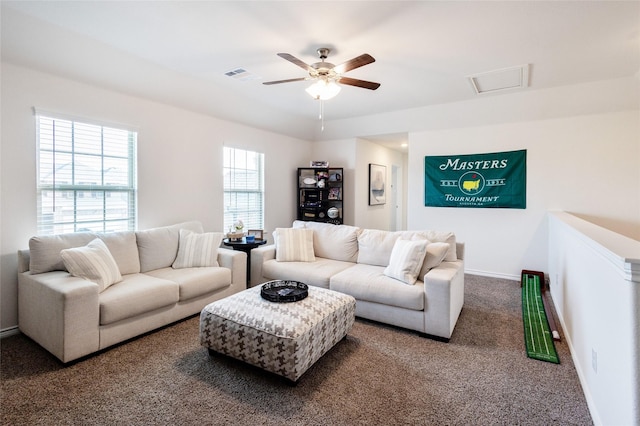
[379, 375]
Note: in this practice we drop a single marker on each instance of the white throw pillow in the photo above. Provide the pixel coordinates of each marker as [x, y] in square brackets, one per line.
[294, 245]
[444, 237]
[197, 250]
[436, 253]
[406, 260]
[92, 262]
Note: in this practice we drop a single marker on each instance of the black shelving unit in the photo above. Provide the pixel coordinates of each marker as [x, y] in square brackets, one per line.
[320, 194]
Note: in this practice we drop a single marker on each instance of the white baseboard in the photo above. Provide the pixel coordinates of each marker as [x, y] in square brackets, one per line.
[492, 274]
[9, 332]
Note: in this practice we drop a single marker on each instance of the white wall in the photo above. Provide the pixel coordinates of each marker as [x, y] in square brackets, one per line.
[587, 165]
[594, 279]
[378, 216]
[355, 155]
[179, 162]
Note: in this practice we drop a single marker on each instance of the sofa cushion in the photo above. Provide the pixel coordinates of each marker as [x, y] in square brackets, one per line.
[197, 250]
[195, 282]
[44, 250]
[315, 273]
[375, 246]
[135, 295]
[368, 283]
[441, 237]
[124, 250]
[294, 245]
[158, 247]
[436, 252]
[337, 242]
[92, 262]
[406, 260]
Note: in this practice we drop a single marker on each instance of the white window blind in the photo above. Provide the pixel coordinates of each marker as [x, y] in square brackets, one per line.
[243, 188]
[86, 177]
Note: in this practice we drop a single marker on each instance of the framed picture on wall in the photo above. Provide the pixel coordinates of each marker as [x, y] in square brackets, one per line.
[377, 184]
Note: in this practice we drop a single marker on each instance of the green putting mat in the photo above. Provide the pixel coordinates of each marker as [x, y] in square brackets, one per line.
[537, 335]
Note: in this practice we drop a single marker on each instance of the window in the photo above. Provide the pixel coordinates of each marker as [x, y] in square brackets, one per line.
[243, 188]
[86, 177]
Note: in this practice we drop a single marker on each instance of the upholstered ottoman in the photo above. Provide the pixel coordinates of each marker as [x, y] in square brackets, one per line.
[283, 338]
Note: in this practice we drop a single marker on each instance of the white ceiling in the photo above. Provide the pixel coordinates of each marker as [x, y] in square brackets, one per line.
[177, 52]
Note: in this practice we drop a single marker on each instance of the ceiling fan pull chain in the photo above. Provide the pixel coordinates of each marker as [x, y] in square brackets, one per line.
[321, 115]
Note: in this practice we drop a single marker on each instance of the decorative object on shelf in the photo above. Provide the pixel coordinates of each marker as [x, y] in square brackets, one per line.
[320, 164]
[333, 212]
[255, 233]
[335, 194]
[284, 291]
[236, 233]
[377, 184]
[235, 236]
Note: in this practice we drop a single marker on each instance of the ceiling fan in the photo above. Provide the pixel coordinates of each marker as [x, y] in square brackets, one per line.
[327, 74]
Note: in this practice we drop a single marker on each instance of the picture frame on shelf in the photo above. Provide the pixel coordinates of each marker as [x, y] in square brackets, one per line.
[320, 164]
[334, 193]
[377, 184]
[256, 233]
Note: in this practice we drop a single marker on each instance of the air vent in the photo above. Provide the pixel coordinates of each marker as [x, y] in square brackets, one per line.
[241, 74]
[500, 80]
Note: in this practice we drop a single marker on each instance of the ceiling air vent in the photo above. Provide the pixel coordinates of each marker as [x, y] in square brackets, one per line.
[500, 80]
[241, 74]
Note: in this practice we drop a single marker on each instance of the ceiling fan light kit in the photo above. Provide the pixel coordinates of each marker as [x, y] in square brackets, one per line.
[323, 90]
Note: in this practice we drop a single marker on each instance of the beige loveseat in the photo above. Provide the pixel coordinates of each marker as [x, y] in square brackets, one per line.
[358, 262]
[152, 284]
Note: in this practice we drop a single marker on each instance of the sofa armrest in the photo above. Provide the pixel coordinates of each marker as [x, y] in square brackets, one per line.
[460, 250]
[260, 255]
[24, 258]
[60, 312]
[236, 261]
[444, 297]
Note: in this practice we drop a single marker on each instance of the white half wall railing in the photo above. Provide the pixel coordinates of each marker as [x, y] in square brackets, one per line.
[594, 277]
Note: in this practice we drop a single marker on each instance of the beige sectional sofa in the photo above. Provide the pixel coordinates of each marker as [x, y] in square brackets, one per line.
[142, 281]
[364, 264]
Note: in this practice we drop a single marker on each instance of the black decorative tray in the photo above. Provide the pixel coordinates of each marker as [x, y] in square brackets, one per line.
[284, 291]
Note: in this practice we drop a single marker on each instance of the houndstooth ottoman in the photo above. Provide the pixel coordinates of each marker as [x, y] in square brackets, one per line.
[283, 338]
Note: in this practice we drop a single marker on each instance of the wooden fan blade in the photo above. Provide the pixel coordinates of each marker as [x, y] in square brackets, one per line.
[285, 81]
[354, 63]
[295, 60]
[359, 83]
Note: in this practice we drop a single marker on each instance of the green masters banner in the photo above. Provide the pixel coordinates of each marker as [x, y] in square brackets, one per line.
[496, 180]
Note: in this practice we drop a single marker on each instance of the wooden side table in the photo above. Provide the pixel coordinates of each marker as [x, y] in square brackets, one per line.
[245, 247]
